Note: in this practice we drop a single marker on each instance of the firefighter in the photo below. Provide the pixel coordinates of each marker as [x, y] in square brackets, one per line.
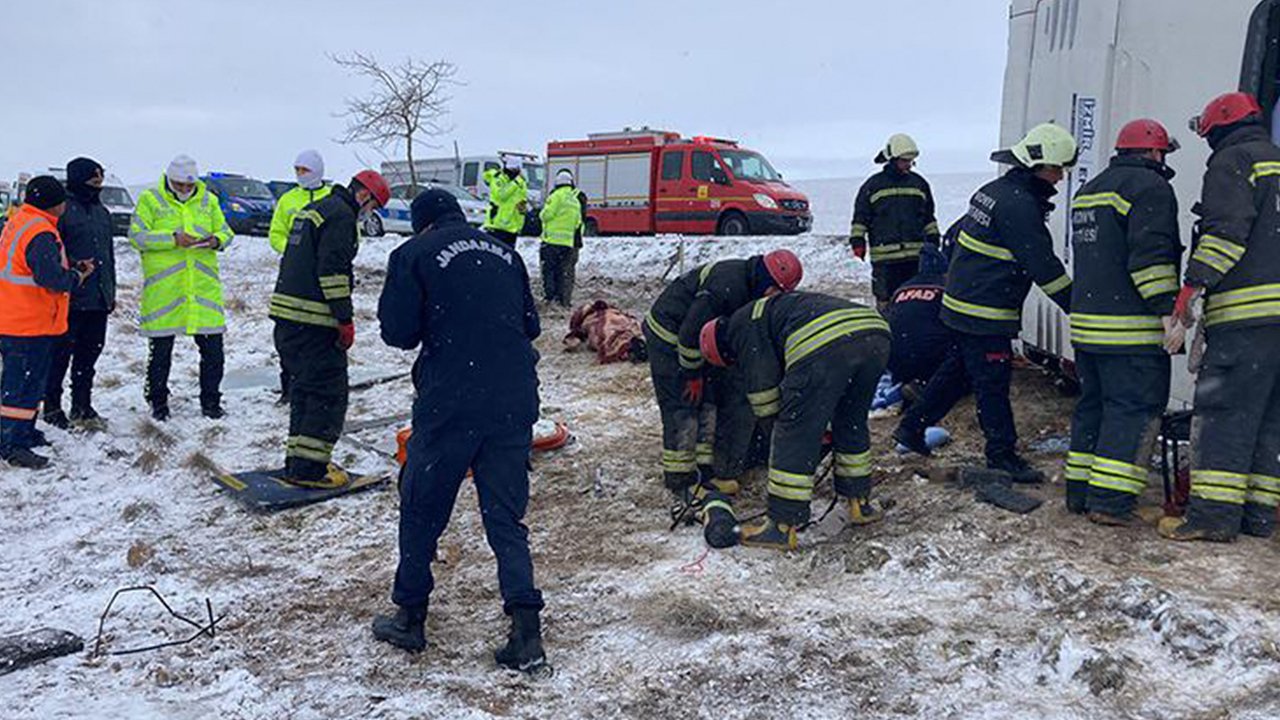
[810, 360]
[1003, 245]
[315, 328]
[508, 199]
[1126, 249]
[86, 233]
[308, 168]
[671, 331]
[920, 339]
[462, 298]
[178, 228]
[35, 287]
[561, 217]
[893, 213]
[1235, 265]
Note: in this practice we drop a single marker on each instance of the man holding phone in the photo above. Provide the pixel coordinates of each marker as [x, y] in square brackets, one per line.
[179, 229]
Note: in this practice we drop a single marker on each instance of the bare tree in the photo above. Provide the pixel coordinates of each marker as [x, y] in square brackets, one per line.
[405, 105]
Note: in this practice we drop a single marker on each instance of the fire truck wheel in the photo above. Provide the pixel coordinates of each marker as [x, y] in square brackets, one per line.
[733, 224]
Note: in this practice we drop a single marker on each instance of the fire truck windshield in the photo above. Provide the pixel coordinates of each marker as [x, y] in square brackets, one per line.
[749, 166]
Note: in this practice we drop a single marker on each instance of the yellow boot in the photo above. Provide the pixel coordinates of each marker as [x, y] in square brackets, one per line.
[765, 533]
[726, 487]
[864, 512]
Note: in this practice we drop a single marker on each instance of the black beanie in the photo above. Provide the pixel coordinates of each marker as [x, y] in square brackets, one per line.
[430, 206]
[79, 172]
[45, 192]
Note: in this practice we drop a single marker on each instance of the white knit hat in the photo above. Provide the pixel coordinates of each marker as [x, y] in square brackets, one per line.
[314, 177]
[183, 169]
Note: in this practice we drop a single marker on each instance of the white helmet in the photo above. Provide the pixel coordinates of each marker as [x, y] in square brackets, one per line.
[512, 162]
[564, 176]
[899, 147]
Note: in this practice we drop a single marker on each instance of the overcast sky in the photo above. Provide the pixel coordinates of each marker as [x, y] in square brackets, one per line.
[242, 86]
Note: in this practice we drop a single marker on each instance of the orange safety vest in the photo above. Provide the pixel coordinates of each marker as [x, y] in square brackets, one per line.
[28, 309]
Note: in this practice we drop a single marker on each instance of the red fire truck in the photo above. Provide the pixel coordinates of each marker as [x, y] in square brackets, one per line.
[642, 182]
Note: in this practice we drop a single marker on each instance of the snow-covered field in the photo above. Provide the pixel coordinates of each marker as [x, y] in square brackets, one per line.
[949, 609]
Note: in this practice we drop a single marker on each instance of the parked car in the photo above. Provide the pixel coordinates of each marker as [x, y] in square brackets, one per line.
[246, 202]
[396, 217]
[115, 197]
[280, 187]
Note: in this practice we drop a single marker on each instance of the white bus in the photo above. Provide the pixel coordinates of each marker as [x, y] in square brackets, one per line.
[1093, 65]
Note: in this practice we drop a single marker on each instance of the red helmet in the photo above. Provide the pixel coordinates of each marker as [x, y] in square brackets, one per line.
[375, 184]
[1145, 134]
[1226, 110]
[707, 342]
[785, 269]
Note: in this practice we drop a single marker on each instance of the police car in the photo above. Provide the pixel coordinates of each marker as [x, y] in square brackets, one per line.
[397, 219]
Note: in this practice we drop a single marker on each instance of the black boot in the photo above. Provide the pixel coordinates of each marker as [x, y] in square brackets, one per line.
[1018, 469]
[212, 410]
[1258, 520]
[86, 418]
[405, 629]
[24, 458]
[56, 418]
[160, 410]
[913, 441]
[523, 650]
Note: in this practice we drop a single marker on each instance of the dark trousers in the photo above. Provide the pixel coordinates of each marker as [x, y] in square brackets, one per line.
[688, 431]
[22, 382]
[887, 277]
[985, 363]
[559, 269]
[1114, 428]
[1235, 431]
[833, 386]
[506, 237]
[734, 424]
[438, 458]
[318, 393]
[160, 361]
[79, 349]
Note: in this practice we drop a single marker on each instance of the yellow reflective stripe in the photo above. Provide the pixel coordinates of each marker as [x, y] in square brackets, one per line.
[1058, 284]
[803, 333]
[896, 251]
[309, 448]
[1264, 169]
[858, 230]
[1223, 246]
[834, 325]
[1214, 259]
[335, 293]
[299, 303]
[663, 334]
[790, 486]
[757, 310]
[1087, 329]
[1154, 272]
[1219, 486]
[1153, 288]
[1078, 464]
[333, 280]
[973, 244]
[1264, 490]
[765, 402]
[706, 270]
[1248, 303]
[1086, 337]
[1107, 199]
[691, 353]
[1116, 322]
[931, 229]
[679, 461]
[310, 216]
[705, 453]
[897, 192]
[854, 465]
[979, 311]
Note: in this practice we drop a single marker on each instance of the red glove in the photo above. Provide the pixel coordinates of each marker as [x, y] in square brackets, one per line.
[1182, 306]
[346, 335]
[860, 251]
[693, 391]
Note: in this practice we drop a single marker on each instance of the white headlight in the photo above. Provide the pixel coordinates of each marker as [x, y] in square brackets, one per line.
[765, 201]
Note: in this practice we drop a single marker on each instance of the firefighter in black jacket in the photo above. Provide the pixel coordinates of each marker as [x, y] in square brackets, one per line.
[671, 333]
[810, 361]
[894, 209]
[314, 323]
[1235, 264]
[1003, 246]
[921, 341]
[1126, 249]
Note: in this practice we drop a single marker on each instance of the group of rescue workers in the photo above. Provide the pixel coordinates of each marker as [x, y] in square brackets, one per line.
[736, 350]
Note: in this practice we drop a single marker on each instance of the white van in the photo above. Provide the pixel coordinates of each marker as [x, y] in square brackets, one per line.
[115, 198]
[1094, 65]
[468, 172]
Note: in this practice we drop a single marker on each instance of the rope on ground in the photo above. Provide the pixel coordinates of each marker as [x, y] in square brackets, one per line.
[696, 567]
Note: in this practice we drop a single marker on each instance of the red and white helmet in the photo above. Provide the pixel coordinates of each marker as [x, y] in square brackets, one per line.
[785, 269]
[709, 345]
[1145, 134]
[1224, 110]
[373, 181]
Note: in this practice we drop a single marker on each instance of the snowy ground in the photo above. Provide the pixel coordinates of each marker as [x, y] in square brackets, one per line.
[948, 610]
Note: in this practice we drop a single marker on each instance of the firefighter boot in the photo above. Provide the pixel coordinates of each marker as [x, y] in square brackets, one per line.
[1137, 517]
[1077, 497]
[1258, 521]
[864, 512]
[405, 629]
[726, 487]
[1019, 470]
[912, 440]
[1205, 520]
[765, 532]
[56, 418]
[523, 650]
[24, 458]
[719, 524]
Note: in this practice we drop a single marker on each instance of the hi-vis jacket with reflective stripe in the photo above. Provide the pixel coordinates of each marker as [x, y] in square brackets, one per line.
[1237, 256]
[700, 295]
[314, 286]
[181, 289]
[562, 216]
[1002, 245]
[287, 208]
[773, 335]
[895, 210]
[26, 308]
[1126, 255]
[508, 199]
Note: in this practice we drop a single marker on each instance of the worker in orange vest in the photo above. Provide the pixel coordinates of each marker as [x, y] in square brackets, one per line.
[35, 291]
